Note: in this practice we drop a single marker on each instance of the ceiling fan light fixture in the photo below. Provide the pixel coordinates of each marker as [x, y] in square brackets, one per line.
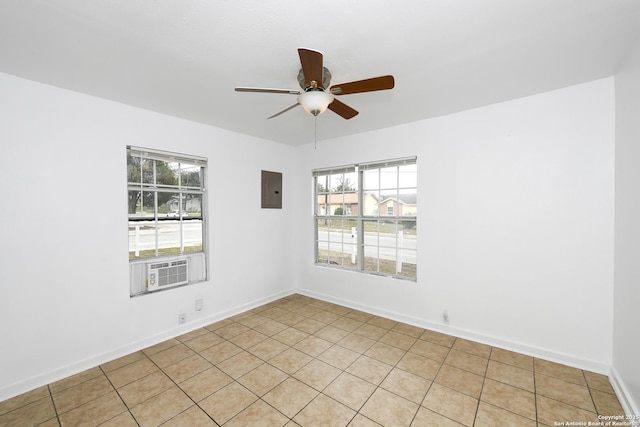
[315, 101]
[314, 80]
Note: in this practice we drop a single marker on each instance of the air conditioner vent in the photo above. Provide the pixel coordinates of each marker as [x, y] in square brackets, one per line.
[166, 274]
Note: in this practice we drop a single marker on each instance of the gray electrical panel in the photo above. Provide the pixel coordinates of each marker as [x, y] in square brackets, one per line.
[271, 190]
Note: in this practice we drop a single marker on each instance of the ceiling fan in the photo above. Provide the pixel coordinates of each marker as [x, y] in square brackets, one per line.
[316, 94]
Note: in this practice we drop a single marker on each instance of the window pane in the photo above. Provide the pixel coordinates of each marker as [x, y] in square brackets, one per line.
[190, 176]
[387, 205]
[140, 204]
[408, 176]
[407, 250]
[349, 182]
[142, 239]
[192, 235]
[408, 227]
[389, 177]
[322, 184]
[323, 230]
[134, 204]
[322, 198]
[341, 255]
[166, 173]
[370, 200]
[334, 253]
[383, 247]
[147, 167]
[349, 256]
[407, 202]
[192, 205]
[370, 234]
[336, 242]
[336, 201]
[133, 169]
[388, 234]
[350, 207]
[335, 181]
[371, 179]
[323, 256]
[169, 238]
[371, 260]
[168, 205]
[408, 264]
[323, 207]
[349, 226]
[148, 202]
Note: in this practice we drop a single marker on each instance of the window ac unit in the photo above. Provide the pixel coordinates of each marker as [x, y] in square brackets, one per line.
[166, 274]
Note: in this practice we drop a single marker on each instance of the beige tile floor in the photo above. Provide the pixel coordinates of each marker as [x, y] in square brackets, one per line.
[301, 361]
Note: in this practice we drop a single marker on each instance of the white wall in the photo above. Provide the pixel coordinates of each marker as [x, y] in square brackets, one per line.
[626, 336]
[515, 224]
[515, 228]
[64, 284]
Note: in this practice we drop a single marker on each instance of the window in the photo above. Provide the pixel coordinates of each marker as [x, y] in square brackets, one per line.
[166, 201]
[365, 217]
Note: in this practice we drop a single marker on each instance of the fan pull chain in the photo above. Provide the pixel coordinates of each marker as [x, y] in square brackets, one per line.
[315, 132]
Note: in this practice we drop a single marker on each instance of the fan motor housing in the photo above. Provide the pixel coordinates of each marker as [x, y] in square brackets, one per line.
[326, 79]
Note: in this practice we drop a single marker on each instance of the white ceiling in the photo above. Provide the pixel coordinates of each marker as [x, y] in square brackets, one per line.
[184, 57]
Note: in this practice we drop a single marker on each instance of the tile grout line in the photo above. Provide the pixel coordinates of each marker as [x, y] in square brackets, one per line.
[178, 386]
[119, 397]
[55, 407]
[434, 379]
[562, 401]
[590, 393]
[53, 403]
[484, 380]
[535, 390]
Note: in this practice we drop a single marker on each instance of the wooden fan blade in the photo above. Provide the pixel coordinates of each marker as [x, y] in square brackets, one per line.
[267, 90]
[342, 109]
[284, 111]
[366, 85]
[311, 61]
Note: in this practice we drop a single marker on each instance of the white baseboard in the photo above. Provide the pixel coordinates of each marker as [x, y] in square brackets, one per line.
[629, 405]
[631, 408]
[542, 353]
[49, 377]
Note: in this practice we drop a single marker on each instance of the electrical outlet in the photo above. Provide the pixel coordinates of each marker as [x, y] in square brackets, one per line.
[182, 318]
[445, 316]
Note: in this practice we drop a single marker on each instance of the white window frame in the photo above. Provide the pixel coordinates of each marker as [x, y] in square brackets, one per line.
[354, 242]
[138, 260]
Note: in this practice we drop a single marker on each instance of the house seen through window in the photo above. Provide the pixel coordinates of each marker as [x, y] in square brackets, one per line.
[365, 217]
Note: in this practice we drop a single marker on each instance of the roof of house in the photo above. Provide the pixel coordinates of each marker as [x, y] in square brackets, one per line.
[405, 199]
